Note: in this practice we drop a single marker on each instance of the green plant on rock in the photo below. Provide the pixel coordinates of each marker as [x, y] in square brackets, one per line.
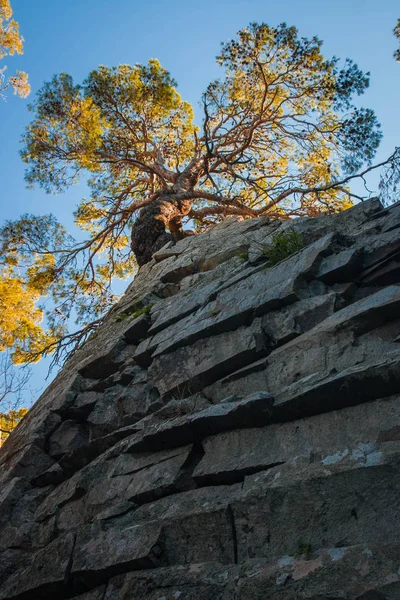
[303, 549]
[284, 244]
[134, 312]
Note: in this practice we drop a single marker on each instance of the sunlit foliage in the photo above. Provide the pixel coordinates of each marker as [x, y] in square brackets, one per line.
[8, 422]
[11, 42]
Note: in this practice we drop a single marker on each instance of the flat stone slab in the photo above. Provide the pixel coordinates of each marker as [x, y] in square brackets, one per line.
[249, 412]
[42, 577]
[361, 572]
[187, 370]
[330, 502]
[68, 437]
[232, 455]
[340, 267]
[157, 480]
[114, 550]
[352, 386]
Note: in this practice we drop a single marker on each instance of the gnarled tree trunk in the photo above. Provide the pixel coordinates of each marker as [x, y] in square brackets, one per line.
[149, 232]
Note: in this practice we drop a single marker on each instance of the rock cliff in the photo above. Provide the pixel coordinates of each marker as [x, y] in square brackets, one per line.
[232, 432]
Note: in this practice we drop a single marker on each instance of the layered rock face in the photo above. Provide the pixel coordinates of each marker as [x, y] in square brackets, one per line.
[232, 432]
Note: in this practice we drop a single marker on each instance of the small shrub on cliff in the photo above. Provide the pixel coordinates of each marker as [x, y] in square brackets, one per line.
[283, 245]
[134, 312]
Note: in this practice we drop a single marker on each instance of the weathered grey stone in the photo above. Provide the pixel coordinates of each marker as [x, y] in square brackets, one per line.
[157, 480]
[107, 415]
[262, 290]
[52, 475]
[232, 455]
[332, 573]
[67, 437]
[255, 410]
[328, 348]
[385, 271]
[114, 551]
[325, 504]
[194, 483]
[200, 537]
[197, 525]
[10, 493]
[166, 251]
[97, 594]
[190, 330]
[65, 492]
[205, 582]
[142, 354]
[184, 504]
[189, 369]
[104, 365]
[85, 402]
[339, 267]
[284, 325]
[179, 306]
[45, 573]
[127, 463]
[76, 459]
[136, 329]
[351, 386]
[364, 572]
[137, 401]
[27, 463]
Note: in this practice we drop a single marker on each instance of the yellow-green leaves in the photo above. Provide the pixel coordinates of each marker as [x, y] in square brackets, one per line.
[83, 130]
[11, 42]
[20, 318]
[9, 420]
[278, 119]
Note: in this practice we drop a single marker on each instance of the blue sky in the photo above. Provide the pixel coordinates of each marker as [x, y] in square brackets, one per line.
[76, 36]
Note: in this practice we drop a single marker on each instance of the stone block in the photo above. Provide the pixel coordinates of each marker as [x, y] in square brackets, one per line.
[232, 455]
[255, 410]
[105, 553]
[333, 502]
[157, 480]
[187, 370]
[45, 574]
[340, 267]
[69, 436]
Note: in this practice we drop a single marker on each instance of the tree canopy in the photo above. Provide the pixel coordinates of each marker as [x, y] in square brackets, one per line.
[280, 136]
[11, 42]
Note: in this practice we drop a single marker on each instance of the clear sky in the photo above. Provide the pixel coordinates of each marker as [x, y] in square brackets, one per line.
[76, 36]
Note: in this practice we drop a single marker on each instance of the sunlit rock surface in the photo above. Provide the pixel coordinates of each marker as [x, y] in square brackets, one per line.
[232, 432]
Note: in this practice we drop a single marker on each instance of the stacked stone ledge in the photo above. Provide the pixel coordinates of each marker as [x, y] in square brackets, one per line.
[232, 432]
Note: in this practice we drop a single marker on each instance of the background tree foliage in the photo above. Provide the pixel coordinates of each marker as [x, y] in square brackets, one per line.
[396, 32]
[11, 42]
[19, 316]
[280, 137]
[9, 421]
[13, 385]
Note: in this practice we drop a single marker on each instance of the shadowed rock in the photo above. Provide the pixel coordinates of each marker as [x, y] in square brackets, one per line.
[231, 432]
